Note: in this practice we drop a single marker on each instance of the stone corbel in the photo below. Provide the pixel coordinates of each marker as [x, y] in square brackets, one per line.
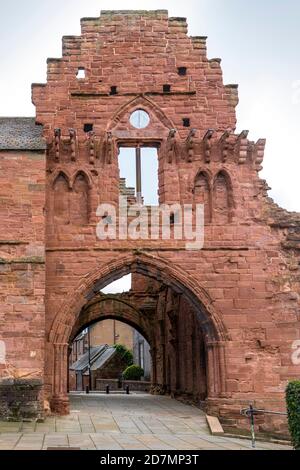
[57, 144]
[259, 152]
[242, 147]
[171, 146]
[190, 144]
[92, 147]
[109, 148]
[207, 145]
[224, 146]
[74, 144]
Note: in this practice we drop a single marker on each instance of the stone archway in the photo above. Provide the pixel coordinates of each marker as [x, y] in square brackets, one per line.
[105, 307]
[214, 332]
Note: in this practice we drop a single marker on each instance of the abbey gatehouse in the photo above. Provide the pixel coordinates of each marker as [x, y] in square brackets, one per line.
[222, 320]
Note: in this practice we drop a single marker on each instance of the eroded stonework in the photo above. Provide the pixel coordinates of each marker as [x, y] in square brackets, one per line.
[226, 317]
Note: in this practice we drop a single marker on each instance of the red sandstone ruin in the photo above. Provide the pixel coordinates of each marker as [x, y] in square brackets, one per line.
[223, 322]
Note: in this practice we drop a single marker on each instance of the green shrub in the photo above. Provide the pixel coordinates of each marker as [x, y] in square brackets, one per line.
[133, 373]
[125, 353]
[293, 407]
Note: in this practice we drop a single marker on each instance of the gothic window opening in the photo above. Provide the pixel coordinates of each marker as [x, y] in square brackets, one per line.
[139, 175]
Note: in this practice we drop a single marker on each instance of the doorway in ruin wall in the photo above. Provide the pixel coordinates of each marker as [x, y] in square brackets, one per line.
[169, 309]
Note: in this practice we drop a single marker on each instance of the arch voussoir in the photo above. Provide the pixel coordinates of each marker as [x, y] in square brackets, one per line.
[148, 265]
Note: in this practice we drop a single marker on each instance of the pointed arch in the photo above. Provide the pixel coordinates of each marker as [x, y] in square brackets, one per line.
[65, 174]
[85, 174]
[106, 307]
[140, 102]
[61, 199]
[202, 193]
[151, 266]
[222, 198]
[181, 282]
[80, 204]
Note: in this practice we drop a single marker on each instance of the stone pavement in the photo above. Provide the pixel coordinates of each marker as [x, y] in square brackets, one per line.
[117, 422]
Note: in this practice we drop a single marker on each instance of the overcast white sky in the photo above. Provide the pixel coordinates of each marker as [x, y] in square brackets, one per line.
[258, 42]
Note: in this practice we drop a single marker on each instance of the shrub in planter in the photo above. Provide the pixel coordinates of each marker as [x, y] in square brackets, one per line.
[133, 373]
[293, 408]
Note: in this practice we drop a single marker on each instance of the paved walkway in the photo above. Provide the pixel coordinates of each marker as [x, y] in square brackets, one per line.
[117, 422]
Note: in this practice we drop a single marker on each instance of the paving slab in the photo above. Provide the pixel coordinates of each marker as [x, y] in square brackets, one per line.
[116, 422]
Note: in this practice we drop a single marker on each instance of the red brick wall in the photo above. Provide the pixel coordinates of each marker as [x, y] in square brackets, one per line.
[22, 263]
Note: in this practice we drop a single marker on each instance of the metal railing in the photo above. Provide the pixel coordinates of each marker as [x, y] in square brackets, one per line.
[251, 412]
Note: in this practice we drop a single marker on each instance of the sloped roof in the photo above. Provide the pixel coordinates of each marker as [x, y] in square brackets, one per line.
[21, 133]
[103, 358]
[99, 356]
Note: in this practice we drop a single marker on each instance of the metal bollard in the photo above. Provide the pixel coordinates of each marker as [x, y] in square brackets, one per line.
[87, 390]
[119, 382]
[107, 390]
[127, 390]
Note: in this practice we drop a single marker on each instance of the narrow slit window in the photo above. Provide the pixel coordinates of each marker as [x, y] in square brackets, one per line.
[88, 127]
[113, 90]
[80, 73]
[182, 71]
[186, 122]
[166, 88]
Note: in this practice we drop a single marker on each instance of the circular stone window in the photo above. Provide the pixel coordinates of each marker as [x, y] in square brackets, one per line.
[140, 119]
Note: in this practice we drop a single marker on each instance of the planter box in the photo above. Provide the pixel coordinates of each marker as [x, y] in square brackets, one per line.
[20, 399]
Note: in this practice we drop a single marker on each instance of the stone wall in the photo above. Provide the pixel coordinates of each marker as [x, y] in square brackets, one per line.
[243, 286]
[246, 278]
[22, 263]
[21, 399]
